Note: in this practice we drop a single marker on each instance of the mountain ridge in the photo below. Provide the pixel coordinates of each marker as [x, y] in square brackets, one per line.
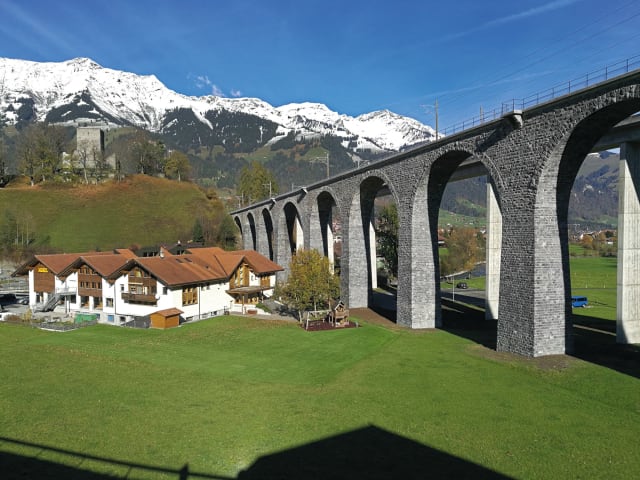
[80, 90]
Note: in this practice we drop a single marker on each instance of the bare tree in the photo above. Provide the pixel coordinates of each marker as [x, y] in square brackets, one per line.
[40, 149]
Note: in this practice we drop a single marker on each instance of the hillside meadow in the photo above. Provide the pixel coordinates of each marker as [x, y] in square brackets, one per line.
[140, 210]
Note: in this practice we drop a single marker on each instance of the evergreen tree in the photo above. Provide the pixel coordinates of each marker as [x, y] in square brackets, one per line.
[197, 235]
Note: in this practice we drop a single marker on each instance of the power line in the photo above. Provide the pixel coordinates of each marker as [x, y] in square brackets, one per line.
[500, 79]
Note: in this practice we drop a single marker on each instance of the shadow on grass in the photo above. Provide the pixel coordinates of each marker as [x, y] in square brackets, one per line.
[468, 322]
[594, 339]
[36, 465]
[368, 453]
[384, 304]
[595, 342]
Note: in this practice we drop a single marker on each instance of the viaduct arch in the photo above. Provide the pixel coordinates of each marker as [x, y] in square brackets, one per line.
[532, 158]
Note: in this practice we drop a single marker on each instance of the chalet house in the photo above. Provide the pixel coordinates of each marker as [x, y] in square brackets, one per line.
[120, 287]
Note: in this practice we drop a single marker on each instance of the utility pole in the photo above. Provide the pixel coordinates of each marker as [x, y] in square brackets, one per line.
[324, 159]
[436, 107]
[433, 107]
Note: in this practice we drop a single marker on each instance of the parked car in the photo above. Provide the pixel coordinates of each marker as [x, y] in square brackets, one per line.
[7, 299]
[577, 301]
[462, 285]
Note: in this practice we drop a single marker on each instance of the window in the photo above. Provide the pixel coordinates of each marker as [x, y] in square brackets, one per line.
[189, 295]
[109, 302]
[165, 290]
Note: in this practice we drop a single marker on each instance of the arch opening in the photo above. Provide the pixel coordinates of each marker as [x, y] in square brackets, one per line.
[574, 237]
[267, 223]
[372, 252]
[253, 231]
[326, 228]
[466, 243]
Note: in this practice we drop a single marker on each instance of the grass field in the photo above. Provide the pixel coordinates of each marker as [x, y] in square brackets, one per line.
[231, 394]
[591, 276]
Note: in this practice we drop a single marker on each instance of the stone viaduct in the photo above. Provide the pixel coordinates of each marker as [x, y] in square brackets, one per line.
[531, 158]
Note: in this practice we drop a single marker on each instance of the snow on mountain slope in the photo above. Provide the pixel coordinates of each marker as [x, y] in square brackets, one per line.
[80, 89]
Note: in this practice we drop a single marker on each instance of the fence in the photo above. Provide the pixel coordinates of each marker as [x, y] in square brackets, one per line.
[606, 73]
[56, 324]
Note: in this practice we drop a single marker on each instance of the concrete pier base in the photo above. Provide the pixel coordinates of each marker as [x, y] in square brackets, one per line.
[494, 246]
[628, 303]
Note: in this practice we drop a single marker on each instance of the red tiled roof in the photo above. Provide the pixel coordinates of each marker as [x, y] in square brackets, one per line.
[217, 256]
[197, 265]
[259, 263]
[125, 252]
[230, 260]
[55, 262]
[179, 270]
[105, 265]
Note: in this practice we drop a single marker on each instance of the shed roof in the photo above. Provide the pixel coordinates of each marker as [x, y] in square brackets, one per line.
[168, 312]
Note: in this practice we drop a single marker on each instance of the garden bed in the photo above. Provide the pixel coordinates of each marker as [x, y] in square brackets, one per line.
[319, 325]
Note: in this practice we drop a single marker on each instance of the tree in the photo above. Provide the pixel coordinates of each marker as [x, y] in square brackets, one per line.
[177, 165]
[40, 148]
[256, 183]
[310, 283]
[83, 160]
[147, 155]
[462, 251]
[197, 234]
[387, 236]
[227, 235]
[3, 166]
[100, 164]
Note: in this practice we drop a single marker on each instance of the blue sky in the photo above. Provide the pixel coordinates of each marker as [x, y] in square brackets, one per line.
[354, 56]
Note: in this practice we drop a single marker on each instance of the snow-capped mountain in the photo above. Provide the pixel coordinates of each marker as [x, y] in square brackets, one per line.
[80, 90]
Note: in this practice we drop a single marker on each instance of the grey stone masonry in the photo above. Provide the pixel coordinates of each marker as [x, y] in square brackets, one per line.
[531, 157]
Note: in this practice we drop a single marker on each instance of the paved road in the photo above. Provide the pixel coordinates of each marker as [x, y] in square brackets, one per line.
[470, 296]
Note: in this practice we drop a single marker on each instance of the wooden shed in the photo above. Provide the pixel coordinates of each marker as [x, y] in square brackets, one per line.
[168, 318]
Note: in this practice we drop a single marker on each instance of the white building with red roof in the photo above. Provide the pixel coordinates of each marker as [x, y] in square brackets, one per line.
[120, 287]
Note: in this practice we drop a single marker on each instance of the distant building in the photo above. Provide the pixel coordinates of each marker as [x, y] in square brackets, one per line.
[90, 147]
[89, 140]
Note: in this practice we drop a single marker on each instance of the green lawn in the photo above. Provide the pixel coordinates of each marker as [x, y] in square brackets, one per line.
[595, 278]
[591, 276]
[220, 394]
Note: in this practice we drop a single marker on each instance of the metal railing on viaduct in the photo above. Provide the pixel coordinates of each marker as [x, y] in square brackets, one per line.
[531, 157]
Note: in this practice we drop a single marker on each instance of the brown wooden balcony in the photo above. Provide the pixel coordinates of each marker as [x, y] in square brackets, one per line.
[139, 298]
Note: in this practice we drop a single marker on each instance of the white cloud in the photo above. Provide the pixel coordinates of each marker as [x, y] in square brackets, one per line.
[204, 82]
[217, 91]
[547, 7]
[200, 81]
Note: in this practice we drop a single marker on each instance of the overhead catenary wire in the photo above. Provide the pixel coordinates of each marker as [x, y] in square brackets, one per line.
[449, 100]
